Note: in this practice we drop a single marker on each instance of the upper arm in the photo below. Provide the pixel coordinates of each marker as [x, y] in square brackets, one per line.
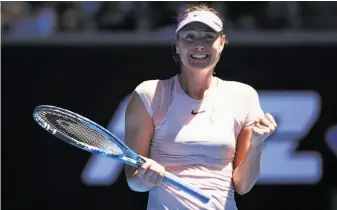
[138, 126]
[138, 130]
[252, 111]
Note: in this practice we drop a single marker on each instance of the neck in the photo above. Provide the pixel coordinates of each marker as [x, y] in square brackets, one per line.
[196, 85]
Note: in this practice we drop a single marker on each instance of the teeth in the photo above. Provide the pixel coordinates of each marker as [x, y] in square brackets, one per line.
[199, 56]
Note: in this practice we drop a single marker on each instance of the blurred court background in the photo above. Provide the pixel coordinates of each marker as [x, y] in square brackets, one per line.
[89, 56]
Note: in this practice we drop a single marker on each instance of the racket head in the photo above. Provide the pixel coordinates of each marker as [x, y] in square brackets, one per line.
[57, 121]
[79, 131]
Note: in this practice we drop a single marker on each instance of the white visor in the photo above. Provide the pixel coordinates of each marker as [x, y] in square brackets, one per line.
[206, 17]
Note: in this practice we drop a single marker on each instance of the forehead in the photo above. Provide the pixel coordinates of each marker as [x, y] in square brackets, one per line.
[197, 26]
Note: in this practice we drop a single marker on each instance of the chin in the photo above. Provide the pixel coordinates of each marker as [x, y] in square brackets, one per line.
[199, 69]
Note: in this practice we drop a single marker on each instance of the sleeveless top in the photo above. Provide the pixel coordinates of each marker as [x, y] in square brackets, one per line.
[196, 139]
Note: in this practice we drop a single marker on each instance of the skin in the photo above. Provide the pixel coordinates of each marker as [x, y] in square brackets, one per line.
[197, 75]
[196, 79]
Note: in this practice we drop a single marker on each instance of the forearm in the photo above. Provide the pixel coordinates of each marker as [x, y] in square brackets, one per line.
[248, 171]
[135, 182]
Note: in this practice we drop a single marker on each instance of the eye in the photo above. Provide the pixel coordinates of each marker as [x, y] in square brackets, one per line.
[209, 37]
[189, 37]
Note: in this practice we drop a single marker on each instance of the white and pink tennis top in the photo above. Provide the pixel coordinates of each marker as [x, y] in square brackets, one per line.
[196, 139]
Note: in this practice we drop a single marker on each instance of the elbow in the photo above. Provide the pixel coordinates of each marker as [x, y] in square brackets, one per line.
[131, 187]
[134, 182]
[241, 186]
[134, 187]
[131, 184]
[242, 190]
[244, 182]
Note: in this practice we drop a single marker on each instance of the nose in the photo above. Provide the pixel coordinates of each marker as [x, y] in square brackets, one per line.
[199, 47]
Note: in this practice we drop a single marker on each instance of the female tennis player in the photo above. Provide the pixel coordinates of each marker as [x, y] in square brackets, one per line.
[208, 131]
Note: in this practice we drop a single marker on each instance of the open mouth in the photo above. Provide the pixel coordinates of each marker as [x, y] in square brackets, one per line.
[199, 57]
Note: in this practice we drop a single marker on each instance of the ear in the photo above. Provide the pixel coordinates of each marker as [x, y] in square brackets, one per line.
[223, 41]
[177, 48]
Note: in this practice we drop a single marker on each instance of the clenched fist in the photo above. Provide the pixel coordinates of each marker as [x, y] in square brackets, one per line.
[262, 129]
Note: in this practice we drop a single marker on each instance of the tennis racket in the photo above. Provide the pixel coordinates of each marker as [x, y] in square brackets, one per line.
[89, 136]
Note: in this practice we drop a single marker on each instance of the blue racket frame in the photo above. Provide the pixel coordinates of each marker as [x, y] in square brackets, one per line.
[128, 156]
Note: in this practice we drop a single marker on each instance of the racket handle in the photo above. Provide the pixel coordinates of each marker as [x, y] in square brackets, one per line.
[177, 182]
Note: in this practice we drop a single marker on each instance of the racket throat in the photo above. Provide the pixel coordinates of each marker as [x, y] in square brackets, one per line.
[141, 160]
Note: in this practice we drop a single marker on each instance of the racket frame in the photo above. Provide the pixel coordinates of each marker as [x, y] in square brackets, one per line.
[128, 156]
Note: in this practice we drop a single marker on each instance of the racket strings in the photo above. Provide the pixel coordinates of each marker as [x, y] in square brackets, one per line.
[81, 133]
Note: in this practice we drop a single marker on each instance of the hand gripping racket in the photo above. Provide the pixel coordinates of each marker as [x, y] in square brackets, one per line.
[89, 136]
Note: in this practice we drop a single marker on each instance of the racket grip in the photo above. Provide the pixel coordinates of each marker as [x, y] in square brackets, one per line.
[177, 182]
